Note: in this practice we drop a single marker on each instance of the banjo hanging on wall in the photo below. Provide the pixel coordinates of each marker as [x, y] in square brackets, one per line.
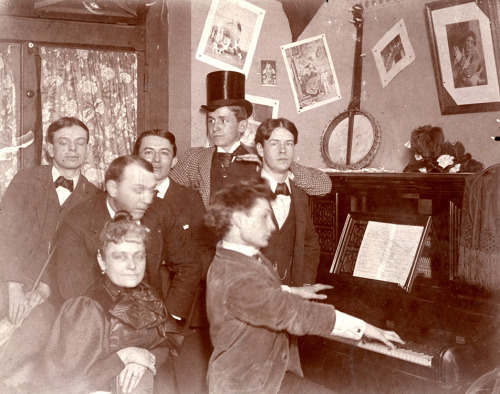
[352, 138]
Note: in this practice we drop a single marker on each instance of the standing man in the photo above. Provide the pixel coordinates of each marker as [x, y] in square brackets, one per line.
[228, 161]
[158, 147]
[293, 246]
[251, 314]
[31, 210]
[130, 186]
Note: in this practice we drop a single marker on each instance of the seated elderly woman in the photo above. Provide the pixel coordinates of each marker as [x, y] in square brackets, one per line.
[117, 335]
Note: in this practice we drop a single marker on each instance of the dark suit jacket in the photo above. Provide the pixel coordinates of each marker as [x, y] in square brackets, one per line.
[187, 206]
[29, 216]
[77, 266]
[306, 249]
[250, 322]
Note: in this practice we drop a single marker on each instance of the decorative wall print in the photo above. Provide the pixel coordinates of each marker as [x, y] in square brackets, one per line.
[230, 35]
[466, 55]
[393, 52]
[263, 108]
[311, 73]
[268, 72]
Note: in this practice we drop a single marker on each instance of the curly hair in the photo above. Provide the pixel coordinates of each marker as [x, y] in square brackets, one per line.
[122, 228]
[239, 197]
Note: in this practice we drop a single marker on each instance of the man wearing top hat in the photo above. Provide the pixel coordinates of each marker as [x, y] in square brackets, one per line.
[228, 161]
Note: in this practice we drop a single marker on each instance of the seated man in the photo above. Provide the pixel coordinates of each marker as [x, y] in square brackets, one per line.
[251, 314]
[130, 186]
[31, 210]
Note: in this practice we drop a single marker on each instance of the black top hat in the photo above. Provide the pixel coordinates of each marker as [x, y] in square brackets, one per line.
[226, 88]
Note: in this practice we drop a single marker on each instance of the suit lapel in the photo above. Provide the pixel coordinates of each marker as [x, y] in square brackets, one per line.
[46, 192]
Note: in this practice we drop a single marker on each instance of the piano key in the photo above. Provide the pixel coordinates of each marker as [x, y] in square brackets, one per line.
[402, 353]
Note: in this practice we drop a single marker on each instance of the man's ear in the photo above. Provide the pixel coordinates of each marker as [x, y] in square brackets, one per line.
[174, 162]
[260, 149]
[101, 261]
[242, 126]
[111, 188]
[50, 149]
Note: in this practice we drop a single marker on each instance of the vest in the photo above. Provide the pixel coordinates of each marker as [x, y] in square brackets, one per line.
[221, 177]
[281, 247]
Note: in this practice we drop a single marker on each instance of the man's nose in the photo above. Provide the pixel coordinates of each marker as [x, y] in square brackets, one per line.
[72, 145]
[156, 157]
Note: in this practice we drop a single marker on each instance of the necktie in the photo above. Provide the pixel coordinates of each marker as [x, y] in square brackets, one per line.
[282, 188]
[225, 158]
[64, 182]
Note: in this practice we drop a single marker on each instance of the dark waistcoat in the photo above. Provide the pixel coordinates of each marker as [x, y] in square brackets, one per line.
[221, 177]
[281, 247]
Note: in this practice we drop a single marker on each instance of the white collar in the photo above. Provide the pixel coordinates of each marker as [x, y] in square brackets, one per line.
[112, 213]
[163, 187]
[243, 249]
[56, 174]
[274, 183]
[233, 148]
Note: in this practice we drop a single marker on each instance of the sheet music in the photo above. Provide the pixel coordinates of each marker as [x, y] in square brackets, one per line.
[387, 252]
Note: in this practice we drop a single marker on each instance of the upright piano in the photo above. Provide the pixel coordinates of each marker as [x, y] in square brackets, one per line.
[451, 328]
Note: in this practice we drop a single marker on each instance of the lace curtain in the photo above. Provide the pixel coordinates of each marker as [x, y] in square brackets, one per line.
[8, 125]
[99, 88]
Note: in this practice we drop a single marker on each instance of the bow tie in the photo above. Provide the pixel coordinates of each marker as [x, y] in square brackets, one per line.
[225, 158]
[64, 182]
[282, 188]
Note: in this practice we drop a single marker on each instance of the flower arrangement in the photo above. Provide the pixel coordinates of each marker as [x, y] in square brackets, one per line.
[431, 153]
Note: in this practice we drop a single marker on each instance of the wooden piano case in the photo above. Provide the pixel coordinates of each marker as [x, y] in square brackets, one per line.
[458, 320]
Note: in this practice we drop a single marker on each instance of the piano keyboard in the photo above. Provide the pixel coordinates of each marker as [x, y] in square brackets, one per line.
[410, 351]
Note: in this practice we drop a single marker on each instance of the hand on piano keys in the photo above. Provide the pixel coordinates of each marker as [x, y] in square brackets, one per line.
[308, 292]
[384, 336]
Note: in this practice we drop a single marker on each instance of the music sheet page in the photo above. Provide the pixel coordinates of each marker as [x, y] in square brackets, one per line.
[387, 251]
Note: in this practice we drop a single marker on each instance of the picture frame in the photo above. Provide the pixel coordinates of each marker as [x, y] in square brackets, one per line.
[230, 35]
[393, 52]
[464, 39]
[311, 73]
[263, 108]
[268, 72]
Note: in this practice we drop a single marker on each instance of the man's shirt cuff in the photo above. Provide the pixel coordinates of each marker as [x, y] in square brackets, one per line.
[348, 326]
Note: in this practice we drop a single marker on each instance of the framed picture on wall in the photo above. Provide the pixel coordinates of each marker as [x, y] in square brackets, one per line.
[263, 108]
[393, 52]
[464, 46]
[230, 35]
[311, 73]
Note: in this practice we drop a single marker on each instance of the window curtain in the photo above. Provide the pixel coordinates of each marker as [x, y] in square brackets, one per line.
[8, 125]
[100, 89]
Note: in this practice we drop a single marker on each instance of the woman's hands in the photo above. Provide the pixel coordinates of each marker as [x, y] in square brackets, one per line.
[21, 303]
[137, 361]
[130, 376]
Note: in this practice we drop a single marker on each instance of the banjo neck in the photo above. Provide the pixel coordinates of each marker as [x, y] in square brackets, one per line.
[357, 13]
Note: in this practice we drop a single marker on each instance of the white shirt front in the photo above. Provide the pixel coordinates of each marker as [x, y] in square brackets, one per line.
[163, 187]
[62, 192]
[281, 205]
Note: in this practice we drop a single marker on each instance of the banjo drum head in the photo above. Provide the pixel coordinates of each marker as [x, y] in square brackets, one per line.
[364, 144]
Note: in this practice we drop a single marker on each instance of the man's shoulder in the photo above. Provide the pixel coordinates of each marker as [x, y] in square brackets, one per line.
[198, 151]
[87, 209]
[89, 187]
[30, 174]
[180, 191]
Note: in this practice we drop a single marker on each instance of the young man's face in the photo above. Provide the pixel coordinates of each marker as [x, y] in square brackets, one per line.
[277, 152]
[257, 225]
[134, 192]
[160, 153]
[223, 127]
[69, 148]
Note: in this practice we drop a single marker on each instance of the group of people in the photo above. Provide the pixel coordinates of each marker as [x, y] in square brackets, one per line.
[102, 285]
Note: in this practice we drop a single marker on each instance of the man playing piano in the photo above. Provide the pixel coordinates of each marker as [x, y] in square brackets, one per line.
[251, 314]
